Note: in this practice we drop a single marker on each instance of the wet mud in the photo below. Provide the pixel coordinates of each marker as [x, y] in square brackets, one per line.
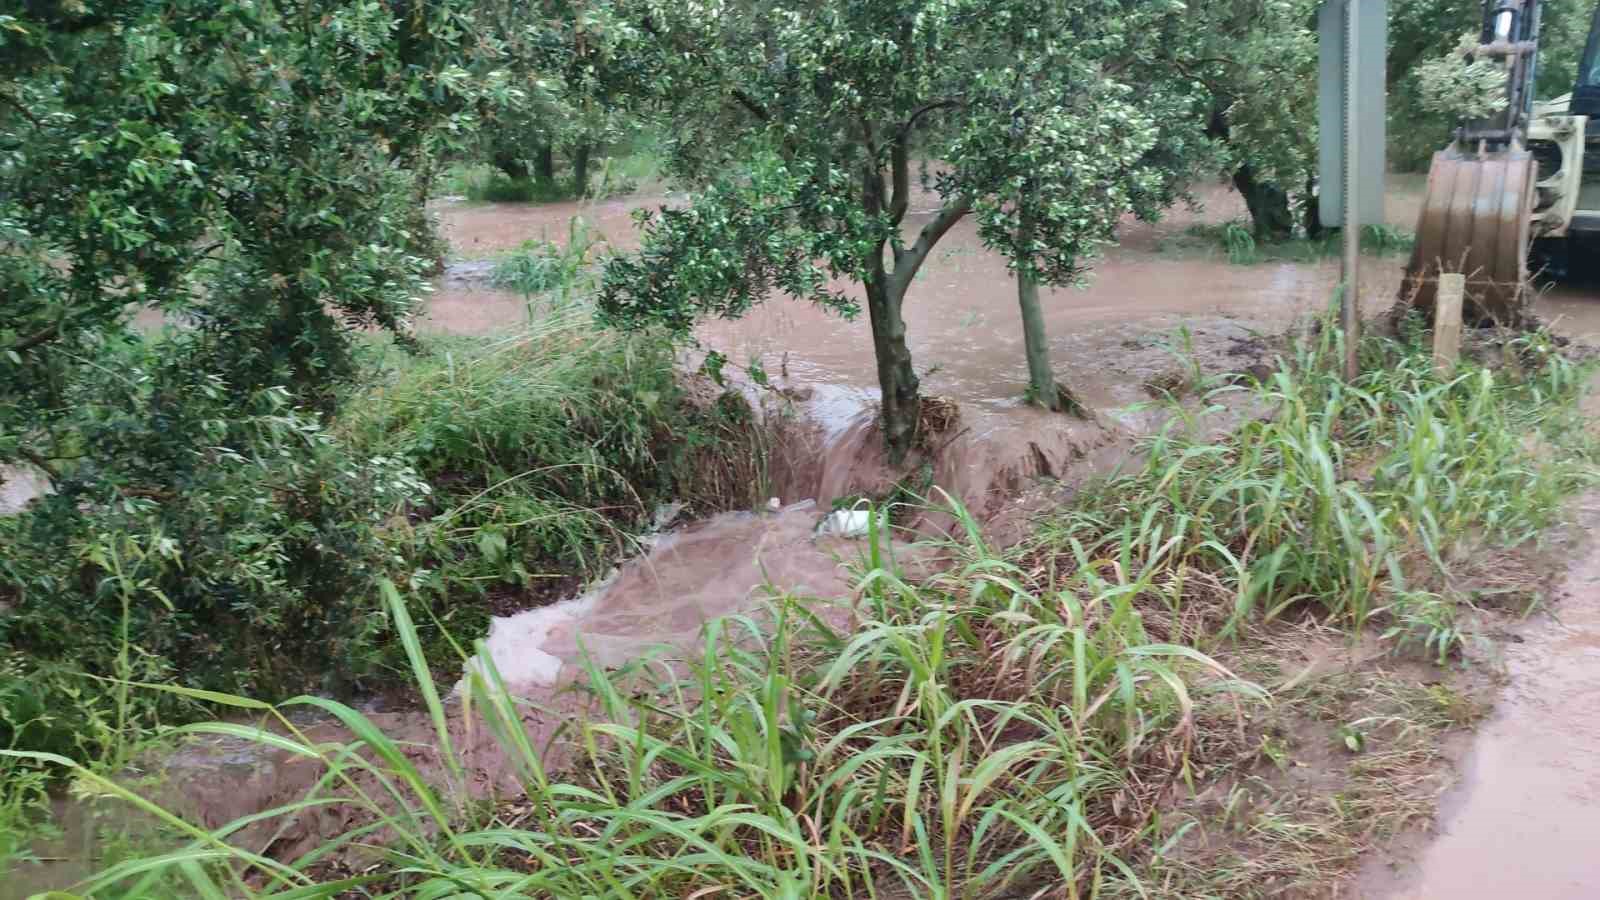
[1524, 818]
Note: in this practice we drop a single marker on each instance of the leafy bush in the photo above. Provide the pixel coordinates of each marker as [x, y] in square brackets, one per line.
[544, 267]
[1009, 723]
[226, 539]
[483, 184]
[1242, 248]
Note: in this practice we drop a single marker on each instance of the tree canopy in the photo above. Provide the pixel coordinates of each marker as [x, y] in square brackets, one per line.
[813, 127]
[245, 168]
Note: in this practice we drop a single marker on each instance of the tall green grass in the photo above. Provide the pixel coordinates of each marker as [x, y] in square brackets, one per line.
[547, 451]
[1238, 242]
[1351, 499]
[967, 738]
[1006, 724]
[559, 274]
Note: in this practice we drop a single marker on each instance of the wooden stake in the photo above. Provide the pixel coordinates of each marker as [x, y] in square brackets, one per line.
[1447, 322]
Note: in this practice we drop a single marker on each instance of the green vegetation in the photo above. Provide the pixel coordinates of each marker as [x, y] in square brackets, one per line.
[1236, 240]
[557, 272]
[1050, 122]
[1005, 723]
[1424, 32]
[626, 169]
[546, 451]
[280, 489]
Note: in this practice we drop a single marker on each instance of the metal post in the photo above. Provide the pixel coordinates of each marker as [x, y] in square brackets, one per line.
[1351, 296]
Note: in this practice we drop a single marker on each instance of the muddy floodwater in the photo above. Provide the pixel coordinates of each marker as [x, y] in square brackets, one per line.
[1524, 820]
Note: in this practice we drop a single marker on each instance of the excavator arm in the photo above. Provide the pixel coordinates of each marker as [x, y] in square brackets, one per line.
[1477, 214]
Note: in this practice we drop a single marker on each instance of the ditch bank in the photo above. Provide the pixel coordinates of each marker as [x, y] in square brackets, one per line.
[1002, 467]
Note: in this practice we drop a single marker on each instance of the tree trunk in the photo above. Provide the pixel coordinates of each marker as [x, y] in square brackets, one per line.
[580, 169]
[1270, 217]
[902, 407]
[1036, 344]
[544, 162]
[1313, 211]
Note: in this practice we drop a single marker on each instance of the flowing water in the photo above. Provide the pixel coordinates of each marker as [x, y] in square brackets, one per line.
[1523, 822]
[719, 567]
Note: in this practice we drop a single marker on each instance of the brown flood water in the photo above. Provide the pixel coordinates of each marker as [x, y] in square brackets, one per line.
[961, 315]
[1524, 821]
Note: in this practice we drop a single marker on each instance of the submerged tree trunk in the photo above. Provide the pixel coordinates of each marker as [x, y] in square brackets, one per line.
[580, 169]
[1270, 216]
[886, 289]
[902, 405]
[1036, 344]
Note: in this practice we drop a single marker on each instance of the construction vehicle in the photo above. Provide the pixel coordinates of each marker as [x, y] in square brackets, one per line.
[1523, 182]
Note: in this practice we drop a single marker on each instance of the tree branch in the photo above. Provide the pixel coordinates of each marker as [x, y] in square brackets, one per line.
[749, 103]
[908, 262]
[872, 199]
[40, 463]
[48, 333]
[919, 112]
[26, 112]
[900, 168]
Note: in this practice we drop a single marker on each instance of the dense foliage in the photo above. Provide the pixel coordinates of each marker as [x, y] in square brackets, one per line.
[546, 451]
[1425, 96]
[213, 239]
[226, 540]
[1019, 722]
[246, 173]
[808, 125]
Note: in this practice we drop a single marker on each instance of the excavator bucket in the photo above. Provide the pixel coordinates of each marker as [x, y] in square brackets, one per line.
[1476, 220]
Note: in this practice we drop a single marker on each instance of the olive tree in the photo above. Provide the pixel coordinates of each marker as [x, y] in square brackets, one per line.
[814, 128]
[1057, 146]
[563, 58]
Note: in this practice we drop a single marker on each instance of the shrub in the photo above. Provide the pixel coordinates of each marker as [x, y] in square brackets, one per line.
[227, 540]
[544, 267]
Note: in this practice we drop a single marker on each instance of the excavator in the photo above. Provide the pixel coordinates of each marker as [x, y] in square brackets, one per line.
[1520, 185]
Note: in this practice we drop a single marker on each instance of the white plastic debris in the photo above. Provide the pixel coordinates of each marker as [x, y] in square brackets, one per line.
[851, 523]
[774, 505]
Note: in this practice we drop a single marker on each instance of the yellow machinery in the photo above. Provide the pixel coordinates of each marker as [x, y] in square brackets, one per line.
[1526, 178]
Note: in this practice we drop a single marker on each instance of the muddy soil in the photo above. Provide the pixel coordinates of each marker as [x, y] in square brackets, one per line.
[1521, 820]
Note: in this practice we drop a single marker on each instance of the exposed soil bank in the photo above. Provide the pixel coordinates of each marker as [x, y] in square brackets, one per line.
[1522, 821]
